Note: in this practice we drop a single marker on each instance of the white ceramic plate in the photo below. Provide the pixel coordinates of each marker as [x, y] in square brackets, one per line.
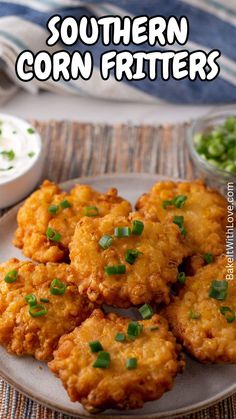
[199, 386]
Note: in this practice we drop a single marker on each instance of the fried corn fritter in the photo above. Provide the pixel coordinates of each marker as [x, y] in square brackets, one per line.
[35, 311]
[129, 270]
[47, 219]
[203, 316]
[204, 213]
[134, 369]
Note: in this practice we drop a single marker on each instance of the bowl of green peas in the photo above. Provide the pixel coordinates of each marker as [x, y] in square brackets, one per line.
[212, 146]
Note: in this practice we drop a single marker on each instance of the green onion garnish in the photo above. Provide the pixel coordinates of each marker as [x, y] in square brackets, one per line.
[115, 270]
[57, 287]
[11, 277]
[95, 346]
[120, 337]
[218, 290]
[228, 313]
[179, 221]
[53, 235]
[177, 202]
[131, 255]
[194, 315]
[31, 154]
[152, 328]
[91, 211]
[218, 146]
[8, 168]
[182, 278]
[9, 155]
[208, 258]
[106, 241]
[53, 209]
[146, 311]
[44, 300]
[65, 204]
[31, 300]
[103, 360]
[131, 363]
[122, 232]
[134, 330]
[30, 131]
[137, 227]
[37, 310]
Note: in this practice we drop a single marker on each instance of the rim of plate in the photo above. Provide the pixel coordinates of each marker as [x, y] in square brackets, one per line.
[168, 414]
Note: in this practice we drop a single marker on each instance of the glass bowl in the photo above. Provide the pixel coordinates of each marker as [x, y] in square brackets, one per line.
[213, 176]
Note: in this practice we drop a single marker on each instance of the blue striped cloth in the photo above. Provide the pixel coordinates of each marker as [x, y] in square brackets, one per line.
[212, 26]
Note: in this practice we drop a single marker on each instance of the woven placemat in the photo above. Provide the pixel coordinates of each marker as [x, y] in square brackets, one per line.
[75, 150]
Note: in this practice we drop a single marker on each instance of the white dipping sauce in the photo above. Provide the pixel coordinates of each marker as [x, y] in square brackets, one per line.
[19, 148]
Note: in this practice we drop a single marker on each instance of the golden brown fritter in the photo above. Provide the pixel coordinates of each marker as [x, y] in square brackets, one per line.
[204, 212]
[157, 354]
[161, 248]
[197, 320]
[34, 218]
[23, 334]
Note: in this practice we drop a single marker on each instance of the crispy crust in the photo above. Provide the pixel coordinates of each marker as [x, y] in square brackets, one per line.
[209, 338]
[22, 334]
[158, 358]
[205, 213]
[34, 219]
[148, 279]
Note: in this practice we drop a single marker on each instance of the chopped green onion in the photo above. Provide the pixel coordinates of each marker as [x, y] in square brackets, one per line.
[179, 221]
[131, 255]
[178, 201]
[228, 313]
[44, 300]
[131, 363]
[31, 154]
[208, 258]
[95, 346]
[166, 203]
[134, 330]
[103, 360]
[11, 277]
[31, 300]
[122, 232]
[194, 315]
[8, 168]
[120, 337]
[106, 241]
[152, 328]
[218, 290]
[218, 147]
[65, 204]
[53, 209]
[53, 235]
[91, 211]
[30, 131]
[137, 227]
[146, 311]
[57, 287]
[182, 278]
[9, 155]
[115, 270]
[37, 310]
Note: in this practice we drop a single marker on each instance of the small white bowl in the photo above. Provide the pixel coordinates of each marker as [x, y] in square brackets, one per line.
[22, 183]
